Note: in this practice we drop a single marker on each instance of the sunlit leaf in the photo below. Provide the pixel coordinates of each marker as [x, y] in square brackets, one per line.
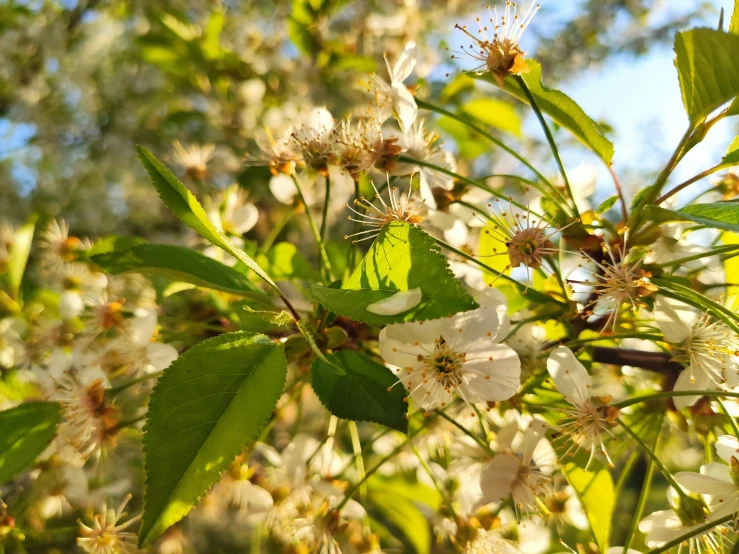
[495, 113]
[211, 402]
[718, 215]
[19, 252]
[402, 258]
[562, 109]
[732, 153]
[707, 64]
[597, 495]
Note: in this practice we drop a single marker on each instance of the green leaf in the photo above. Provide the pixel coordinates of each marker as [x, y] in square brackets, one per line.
[719, 215]
[402, 258]
[732, 153]
[686, 294]
[495, 113]
[562, 109]
[596, 492]
[707, 64]
[178, 264]
[25, 432]
[403, 514]
[19, 252]
[112, 244]
[211, 402]
[285, 261]
[281, 318]
[355, 387]
[734, 25]
[606, 205]
[187, 208]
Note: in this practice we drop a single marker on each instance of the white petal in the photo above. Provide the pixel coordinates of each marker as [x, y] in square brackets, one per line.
[244, 219]
[70, 304]
[496, 479]
[669, 321]
[142, 327]
[160, 355]
[320, 120]
[703, 484]
[569, 375]
[474, 330]
[531, 437]
[397, 303]
[717, 470]
[404, 107]
[493, 380]
[726, 447]
[683, 383]
[458, 234]
[282, 188]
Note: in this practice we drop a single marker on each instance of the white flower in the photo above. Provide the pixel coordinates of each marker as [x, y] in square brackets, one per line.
[458, 354]
[496, 45]
[278, 153]
[671, 246]
[314, 139]
[393, 99]
[58, 247]
[108, 534]
[236, 216]
[590, 416]
[488, 542]
[193, 158]
[526, 476]
[686, 516]
[710, 348]
[717, 481]
[421, 145]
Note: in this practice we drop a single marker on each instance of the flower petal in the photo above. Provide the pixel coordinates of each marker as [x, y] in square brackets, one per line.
[726, 447]
[703, 484]
[669, 320]
[397, 303]
[569, 375]
[497, 478]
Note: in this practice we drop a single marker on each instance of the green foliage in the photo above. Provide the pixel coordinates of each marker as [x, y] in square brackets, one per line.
[285, 261]
[187, 208]
[112, 244]
[178, 264]
[355, 387]
[678, 291]
[402, 258]
[19, 252]
[495, 113]
[395, 501]
[734, 24]
[707, 64]
[597, 495]
[25, 432]
[719, 215]
[606, 205]
[563, 110]
[732, 153]
[210, 403]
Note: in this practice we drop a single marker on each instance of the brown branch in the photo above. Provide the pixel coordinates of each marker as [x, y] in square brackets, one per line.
[652, 361]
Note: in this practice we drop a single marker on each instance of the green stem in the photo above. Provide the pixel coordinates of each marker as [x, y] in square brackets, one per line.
[655, 460]
[732, 421]
[550, 139]
[324, 265]
[444, 494]
[120, 388]
[534, 294]
[441, 111]
[654, 190]
[720, 250]
[324, 215]
[703, 174]
[698, 531]
[357, 447]
[51, 537]
[275, 231]
[627, 335]
[485, 446]
[643, 496]
[671, 394]
[468, 181]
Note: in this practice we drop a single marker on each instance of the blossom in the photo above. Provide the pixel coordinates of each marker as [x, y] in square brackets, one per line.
[687, 515]
[58, 247]
[719, 483]
[671, 246]
[235, 215]
[525, 475]
[357, 145]
[487, 542]
[314, 139]
[400, 208]
[108, 535]
[461, 354]
[279, 153]
[393, 99]
[193, 158]
[497, 46]
[709, 347]
[590, 417]
[421, 145]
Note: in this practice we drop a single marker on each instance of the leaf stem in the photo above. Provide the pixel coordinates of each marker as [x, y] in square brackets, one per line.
[550, 139]
[485, 446]
[324, 215]
[120, 388]
[671, 394]
[357, 447]
[621, 197]
[655, 460]
[701, 175]
[696, 532]
[732, 421]
[276, 230]
[720, 250]
[323, 261]
[643, 496]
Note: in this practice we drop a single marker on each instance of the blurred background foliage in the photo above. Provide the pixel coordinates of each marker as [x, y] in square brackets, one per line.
[81, 83]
